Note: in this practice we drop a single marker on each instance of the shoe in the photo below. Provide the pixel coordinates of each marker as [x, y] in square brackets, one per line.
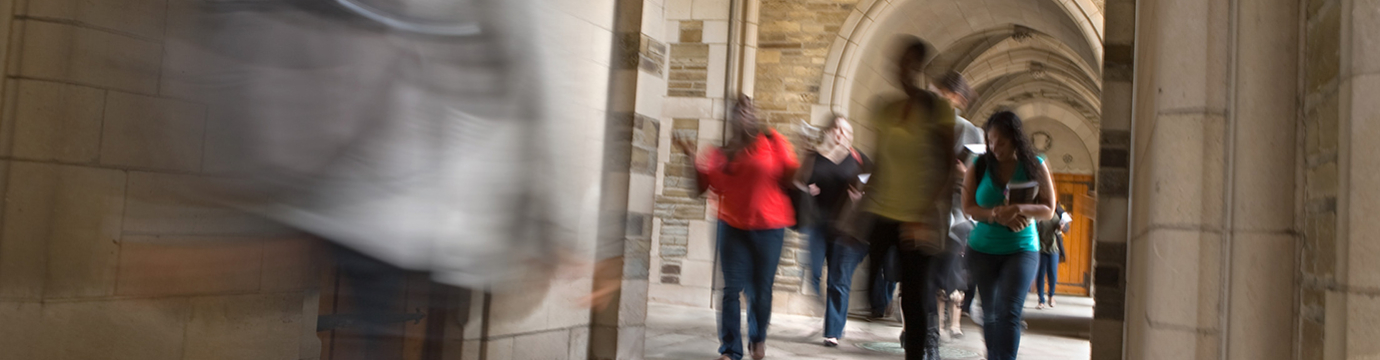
[1041, 306]
[956, 333]
[831, 342]
[1051, 303]
[758, 350]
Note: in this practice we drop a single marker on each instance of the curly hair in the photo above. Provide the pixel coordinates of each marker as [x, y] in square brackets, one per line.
[1010, 125]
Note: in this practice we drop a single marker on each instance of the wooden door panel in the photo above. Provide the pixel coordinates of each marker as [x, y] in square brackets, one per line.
[1075, 270]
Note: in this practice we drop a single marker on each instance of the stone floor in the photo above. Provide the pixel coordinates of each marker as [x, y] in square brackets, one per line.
[687, 333]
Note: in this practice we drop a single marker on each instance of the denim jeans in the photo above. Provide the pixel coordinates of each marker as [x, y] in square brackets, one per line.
[748, 259]
[882, 272]
[1003, 282]
[1049, 272]
[842, 257]
[917, 297]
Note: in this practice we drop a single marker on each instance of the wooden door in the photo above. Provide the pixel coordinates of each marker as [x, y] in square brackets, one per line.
[1075, 272]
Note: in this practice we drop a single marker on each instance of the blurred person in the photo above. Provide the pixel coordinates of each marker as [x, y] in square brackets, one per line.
[1003, 247]
[403, 133]
[907, 196]
[831, 173]
[749, 174]
[1051, 254]
[950, 275]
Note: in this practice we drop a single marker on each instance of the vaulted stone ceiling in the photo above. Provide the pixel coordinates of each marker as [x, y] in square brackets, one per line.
[1014, 53]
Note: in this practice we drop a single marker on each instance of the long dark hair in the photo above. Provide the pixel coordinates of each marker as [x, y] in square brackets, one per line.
[1010, 125]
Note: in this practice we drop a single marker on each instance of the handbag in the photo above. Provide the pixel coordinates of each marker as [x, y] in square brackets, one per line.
[850, 221]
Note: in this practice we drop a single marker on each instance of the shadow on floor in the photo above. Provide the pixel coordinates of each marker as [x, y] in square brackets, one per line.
[686, 333]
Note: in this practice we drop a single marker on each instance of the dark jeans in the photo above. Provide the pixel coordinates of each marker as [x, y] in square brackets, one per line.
[842, 257]
[748, 259]
[916, 294]
[1003, 282]
[1049, 269]
[882, 272]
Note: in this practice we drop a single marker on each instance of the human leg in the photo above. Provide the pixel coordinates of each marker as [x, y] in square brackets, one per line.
[843, 259]
[735, 262]
[1011, 283]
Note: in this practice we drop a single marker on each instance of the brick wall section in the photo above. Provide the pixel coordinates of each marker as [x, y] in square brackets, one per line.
[1320, 124]
[689, 62]
[793, 45]
[677, 205]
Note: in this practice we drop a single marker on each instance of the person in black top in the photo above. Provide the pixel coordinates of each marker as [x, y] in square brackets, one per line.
[831, 173]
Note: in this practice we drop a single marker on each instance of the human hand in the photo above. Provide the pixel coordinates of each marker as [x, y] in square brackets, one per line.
[1005, 213]
[855, 193]
[685, 145]
[1017, 223]
[814, 190]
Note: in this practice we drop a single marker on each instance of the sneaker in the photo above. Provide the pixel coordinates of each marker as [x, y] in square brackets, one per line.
[831, 342]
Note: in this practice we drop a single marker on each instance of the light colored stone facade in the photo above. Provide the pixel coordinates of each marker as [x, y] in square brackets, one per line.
[100, 244]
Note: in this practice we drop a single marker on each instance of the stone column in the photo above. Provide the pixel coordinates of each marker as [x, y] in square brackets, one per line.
[1113, 181]
[637, 87]
[1213, 230]
[1352, 300]
[1262, 147]
[1178, 188]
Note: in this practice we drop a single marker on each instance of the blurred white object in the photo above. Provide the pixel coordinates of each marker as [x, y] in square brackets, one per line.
[407, 130]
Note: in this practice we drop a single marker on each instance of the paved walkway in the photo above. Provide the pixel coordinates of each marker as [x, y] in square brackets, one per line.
[688, 333]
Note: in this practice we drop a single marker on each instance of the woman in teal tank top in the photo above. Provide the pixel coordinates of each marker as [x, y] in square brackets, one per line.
[1003, 249]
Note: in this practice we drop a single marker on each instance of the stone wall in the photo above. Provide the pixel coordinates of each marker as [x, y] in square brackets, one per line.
[795, 39]
[781, 64]
[102, 255]
[683, 252]
[1319, 127]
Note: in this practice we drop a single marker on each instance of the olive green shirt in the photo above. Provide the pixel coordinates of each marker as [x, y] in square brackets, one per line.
[910, 162]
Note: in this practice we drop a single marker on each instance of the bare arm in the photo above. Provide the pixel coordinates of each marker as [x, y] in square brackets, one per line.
[970, 206]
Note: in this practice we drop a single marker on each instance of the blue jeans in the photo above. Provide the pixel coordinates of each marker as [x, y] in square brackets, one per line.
[1049, 269]
[1003, 281]
[843, 258]
[882, 270]
[748, 259]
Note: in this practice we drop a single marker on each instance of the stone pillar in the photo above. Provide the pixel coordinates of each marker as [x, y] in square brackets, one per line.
[1113, 181]
[1213, 181]
[637, 87]
[1352, 297]
[1178, 189]
[1262, 149]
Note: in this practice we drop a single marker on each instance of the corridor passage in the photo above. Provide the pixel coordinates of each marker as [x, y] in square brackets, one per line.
[688, 333]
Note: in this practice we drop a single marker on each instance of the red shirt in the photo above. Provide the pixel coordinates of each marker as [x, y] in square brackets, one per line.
[749, 188]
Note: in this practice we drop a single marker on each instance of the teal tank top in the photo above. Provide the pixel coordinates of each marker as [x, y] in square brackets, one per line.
[997, 239]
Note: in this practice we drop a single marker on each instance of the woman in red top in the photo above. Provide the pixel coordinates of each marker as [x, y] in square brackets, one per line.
[748, 174]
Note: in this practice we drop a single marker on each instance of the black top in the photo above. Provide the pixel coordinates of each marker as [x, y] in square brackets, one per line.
[833, 181]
